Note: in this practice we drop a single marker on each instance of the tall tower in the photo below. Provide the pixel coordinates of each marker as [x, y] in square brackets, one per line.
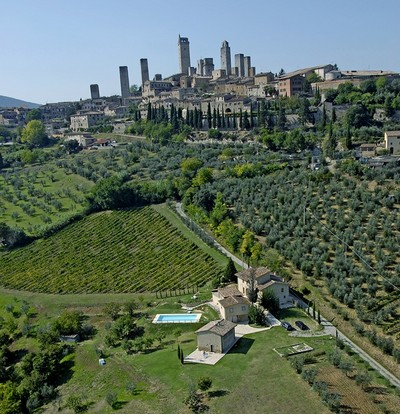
[226, 57]
[124, 79]
[144, 68]
[94, 91]
[247, 65]
[239, 63]
[184, 54]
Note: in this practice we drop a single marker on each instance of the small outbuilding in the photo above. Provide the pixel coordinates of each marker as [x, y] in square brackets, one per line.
[216, 336]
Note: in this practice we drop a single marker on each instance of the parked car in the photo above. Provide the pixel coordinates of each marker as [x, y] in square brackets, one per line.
[302, 325]
[287, 326]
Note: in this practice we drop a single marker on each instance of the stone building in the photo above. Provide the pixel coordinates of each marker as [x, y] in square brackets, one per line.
[216, 336]
[247, 65]
[392, 142]
[232, 305]
[94, 91]
[144, 70]
[84, 121]
[205, 67]
[239, 64]
[226, 57]
[124, 79]
[184, 55]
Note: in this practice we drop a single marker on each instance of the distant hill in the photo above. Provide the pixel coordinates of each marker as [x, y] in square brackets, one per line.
[7, 102]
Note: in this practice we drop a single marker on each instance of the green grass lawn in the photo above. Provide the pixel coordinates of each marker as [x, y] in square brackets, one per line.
[252, 378]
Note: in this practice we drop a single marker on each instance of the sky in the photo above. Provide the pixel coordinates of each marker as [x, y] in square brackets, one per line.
[52, 50]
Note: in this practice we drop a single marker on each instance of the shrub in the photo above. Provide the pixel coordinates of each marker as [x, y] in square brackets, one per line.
[111, 398]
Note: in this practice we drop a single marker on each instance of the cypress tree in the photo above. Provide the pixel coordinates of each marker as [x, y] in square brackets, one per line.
[234, 121]
[313, 310]
[200, 119]
[191, 119]
[258, 113]
[174, 122]
[319, 318]
[333, 115]
[179, 352]
[323, 120]
[149, 111]
[218, 119]
[214, 118]
[240, 119]
[230, 271]
[195, 119]
[187, 116]
[246, 123]
[209, 117]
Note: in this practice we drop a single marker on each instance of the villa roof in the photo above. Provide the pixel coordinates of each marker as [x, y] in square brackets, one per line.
[259, 271]
[233, 300]
[229, 291]
[270, 283]
[220, 327]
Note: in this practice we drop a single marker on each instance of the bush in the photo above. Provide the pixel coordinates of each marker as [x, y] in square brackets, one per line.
[309, 375]
[297, 363]
[204, 383]
[256, 315]
[111, 398]
[214, 133]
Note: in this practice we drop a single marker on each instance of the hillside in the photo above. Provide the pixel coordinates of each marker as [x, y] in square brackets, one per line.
[8, 102]
[118, 251]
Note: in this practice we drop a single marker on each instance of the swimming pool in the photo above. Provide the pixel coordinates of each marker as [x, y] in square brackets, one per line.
[177, 318]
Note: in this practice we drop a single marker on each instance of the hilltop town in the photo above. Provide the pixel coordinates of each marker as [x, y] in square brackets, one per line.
[228, 93]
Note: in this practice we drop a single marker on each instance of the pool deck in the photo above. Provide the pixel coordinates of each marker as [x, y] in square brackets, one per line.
[211, 358]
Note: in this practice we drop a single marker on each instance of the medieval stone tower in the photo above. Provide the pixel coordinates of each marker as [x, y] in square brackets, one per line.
[144, 69]
[184, 54]
[124, 79]
[226, 57]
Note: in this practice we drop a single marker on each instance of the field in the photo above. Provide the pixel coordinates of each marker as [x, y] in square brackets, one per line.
[252, 378]
[110, 252]
[41, 196]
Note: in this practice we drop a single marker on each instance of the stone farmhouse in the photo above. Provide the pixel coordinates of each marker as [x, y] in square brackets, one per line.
[216, 336]
[392, 142]
[264, 279]
[232, 305]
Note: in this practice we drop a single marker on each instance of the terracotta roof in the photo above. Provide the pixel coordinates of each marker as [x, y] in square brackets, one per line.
[220, 327]
[229, 291]
[245, 274]
[233, 300]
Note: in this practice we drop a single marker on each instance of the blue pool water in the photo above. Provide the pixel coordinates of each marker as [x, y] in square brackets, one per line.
[177, 318]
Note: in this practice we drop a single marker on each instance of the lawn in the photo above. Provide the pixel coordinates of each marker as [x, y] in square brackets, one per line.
[251, 378]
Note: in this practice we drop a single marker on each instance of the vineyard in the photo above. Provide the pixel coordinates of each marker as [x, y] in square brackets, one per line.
[118, 251]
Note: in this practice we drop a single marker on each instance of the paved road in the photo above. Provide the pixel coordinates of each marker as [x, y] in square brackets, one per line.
[329, 327]
[332, 330]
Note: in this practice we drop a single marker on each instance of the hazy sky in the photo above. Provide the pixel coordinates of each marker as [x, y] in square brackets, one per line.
[52, 50]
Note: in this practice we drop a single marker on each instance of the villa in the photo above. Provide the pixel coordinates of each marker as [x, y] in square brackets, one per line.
[232, 305]
[264, 279]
